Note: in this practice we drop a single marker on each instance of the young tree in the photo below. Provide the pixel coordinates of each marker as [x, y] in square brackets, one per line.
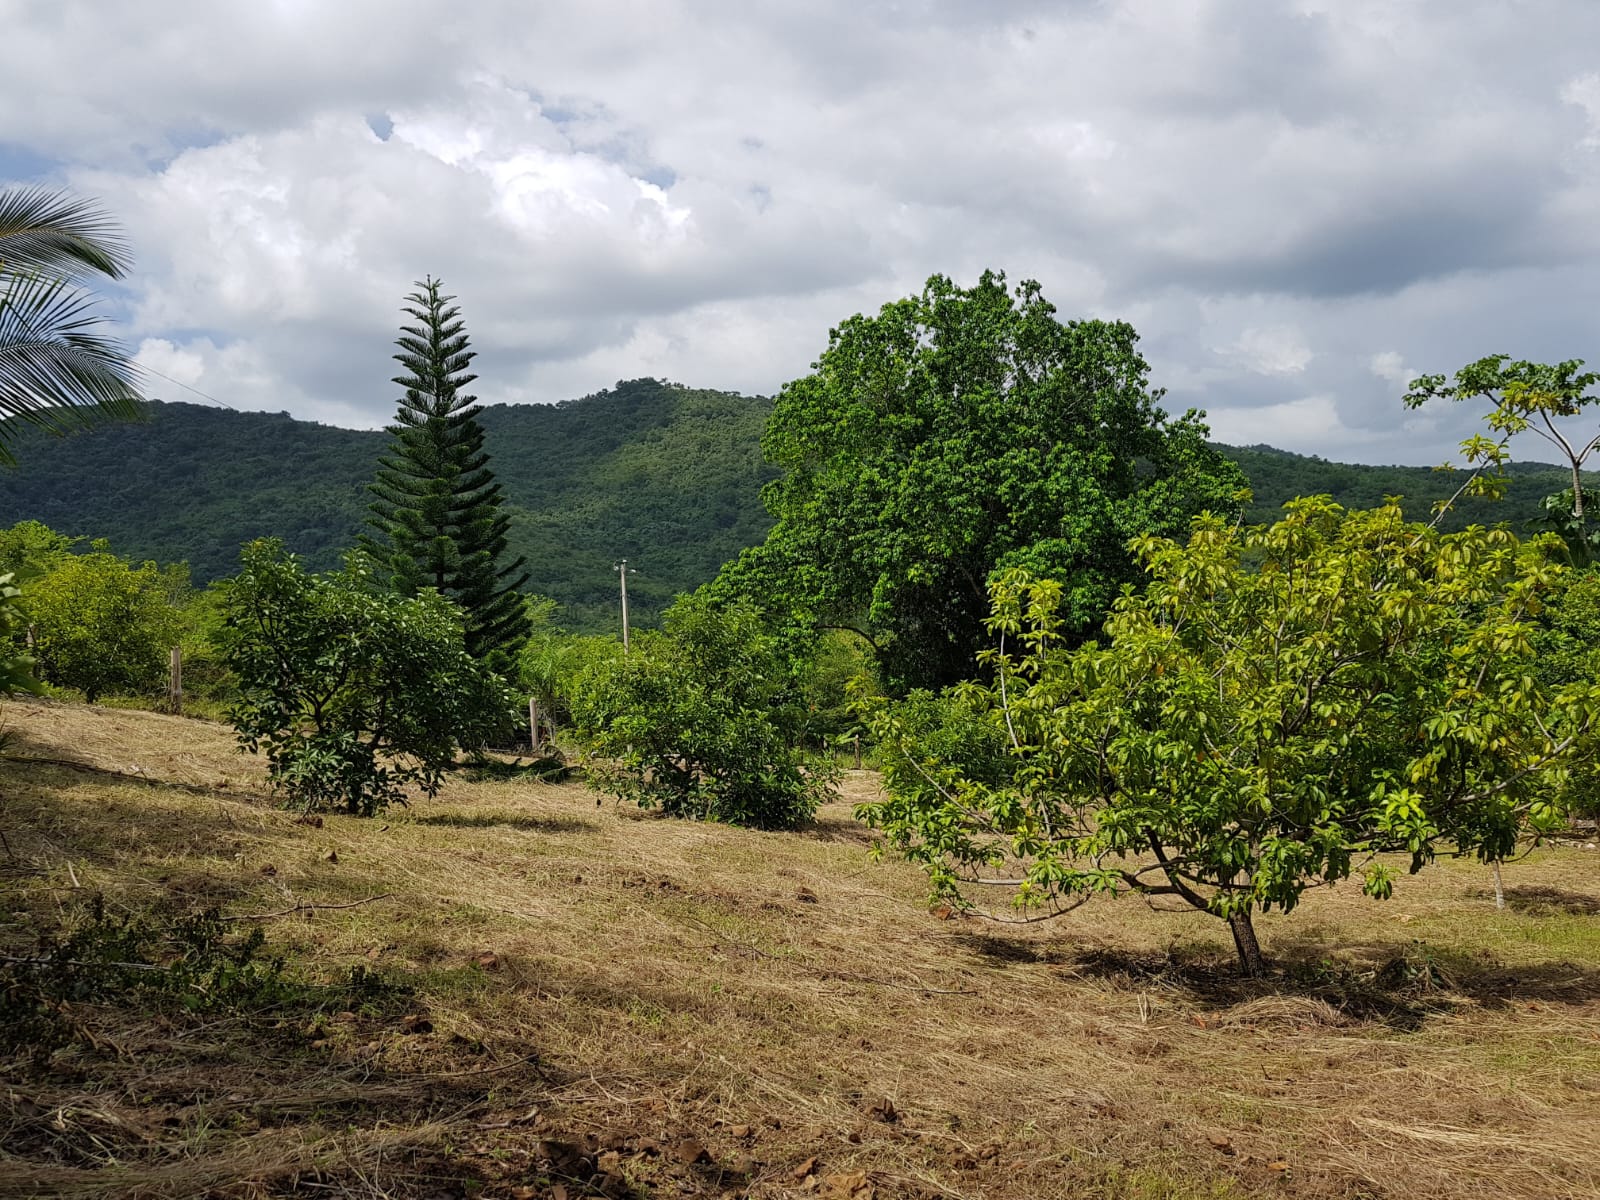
[57, 370]
[1280, 706]
[353, 691]
[702, 720]
[101, 624]
[1551, 400]
[436, 506]
[957, 432]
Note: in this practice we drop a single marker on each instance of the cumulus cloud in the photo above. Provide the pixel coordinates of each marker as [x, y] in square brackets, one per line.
[1299, 205]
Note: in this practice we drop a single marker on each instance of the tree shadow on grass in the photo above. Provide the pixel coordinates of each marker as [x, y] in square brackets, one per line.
[1398, 985]
[1538, 901]
[490, 820]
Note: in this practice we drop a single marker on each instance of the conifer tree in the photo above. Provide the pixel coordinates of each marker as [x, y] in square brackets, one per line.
[436, 506]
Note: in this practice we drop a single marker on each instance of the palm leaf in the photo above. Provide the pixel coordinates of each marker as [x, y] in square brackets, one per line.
[42, 230]
[57, 371]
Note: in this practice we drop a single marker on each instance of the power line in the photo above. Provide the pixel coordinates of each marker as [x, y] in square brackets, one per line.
[182, 384]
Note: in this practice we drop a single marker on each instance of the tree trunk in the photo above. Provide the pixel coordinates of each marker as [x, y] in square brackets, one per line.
[1244, 941]
[1499, 888]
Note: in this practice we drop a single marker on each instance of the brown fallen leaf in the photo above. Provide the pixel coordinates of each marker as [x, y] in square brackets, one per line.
[330, 855]
[688, 1151]
[416, 1023]
[853, 1186]
[739, 1131]
[1277, 1165]
[804, 1168]
[488, 960]
[885, 1111]
[269, 870]
[805, 896]
[1222, 1143]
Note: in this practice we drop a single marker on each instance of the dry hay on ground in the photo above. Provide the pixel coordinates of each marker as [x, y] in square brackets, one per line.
[686, 1009]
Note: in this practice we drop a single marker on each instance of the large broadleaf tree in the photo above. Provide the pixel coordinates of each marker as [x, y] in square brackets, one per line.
[958, 432]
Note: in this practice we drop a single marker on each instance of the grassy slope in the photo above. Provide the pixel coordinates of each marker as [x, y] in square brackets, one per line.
[761, 994]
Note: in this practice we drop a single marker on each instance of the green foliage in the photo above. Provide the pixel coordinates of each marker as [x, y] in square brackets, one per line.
[185, 961]
[353, 692]
[957, 432]
[16, 668]
[30, 548]
[1281, 705]
[667, 476]
[436, 507]
[553, 661]
[57, 370]
[1566, 652]
[101, 624]
[1543, 397]
[703, 720]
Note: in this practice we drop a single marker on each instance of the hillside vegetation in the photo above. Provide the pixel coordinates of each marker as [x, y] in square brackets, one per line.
[668, 477]
[665, 476]
[551, 989]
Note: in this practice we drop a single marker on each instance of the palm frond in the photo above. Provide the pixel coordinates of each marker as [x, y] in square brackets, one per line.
[42, 230]
[57, 371]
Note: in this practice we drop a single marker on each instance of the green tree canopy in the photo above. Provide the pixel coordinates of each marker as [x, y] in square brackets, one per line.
[57, 369]
[954, 433]
[703, 720]
[436, 508]
[1552, 400]
[353, 691]
[1279, 707]
[101, 624]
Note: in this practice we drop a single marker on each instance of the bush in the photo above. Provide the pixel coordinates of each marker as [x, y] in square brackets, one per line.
[703, 720]
[101, 624]
[353, 692]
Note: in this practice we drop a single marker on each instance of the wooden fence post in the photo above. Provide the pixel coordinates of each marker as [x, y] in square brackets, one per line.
[858, 752]
[533, 726]
[175, 681]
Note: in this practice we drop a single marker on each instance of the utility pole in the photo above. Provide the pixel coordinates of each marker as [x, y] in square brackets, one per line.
[622, 573]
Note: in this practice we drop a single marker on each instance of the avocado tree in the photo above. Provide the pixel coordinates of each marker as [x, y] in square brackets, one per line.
[352, 691]
[956, 432]
[1279, 707]
[704, 720]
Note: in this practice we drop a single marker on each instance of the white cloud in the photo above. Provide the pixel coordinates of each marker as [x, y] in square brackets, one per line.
[1584, 91]
[1391, 365]
[1273, 350]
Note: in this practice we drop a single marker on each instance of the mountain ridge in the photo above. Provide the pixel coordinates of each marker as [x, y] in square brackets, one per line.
[664, 475]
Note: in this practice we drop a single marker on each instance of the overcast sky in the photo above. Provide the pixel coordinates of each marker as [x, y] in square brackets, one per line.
[1297, 203]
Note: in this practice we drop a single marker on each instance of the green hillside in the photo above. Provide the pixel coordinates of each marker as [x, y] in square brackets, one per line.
[666, 476]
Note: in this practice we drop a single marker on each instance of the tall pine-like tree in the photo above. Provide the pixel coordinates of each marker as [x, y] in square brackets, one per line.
[435, 510]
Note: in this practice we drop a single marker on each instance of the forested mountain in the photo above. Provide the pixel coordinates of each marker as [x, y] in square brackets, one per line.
[666, 476]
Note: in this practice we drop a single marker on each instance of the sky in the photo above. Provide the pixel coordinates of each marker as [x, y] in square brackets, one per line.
[1300, 204]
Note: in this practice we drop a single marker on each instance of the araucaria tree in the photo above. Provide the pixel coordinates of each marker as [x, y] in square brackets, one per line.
[958, 432]
[436, 512]
[1280, 707]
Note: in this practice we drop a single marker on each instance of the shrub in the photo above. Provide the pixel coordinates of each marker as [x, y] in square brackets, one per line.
[354, 693]
[703, 720]
[101, 624]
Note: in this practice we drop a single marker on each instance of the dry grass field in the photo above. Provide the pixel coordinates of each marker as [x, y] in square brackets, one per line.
[590, 1000]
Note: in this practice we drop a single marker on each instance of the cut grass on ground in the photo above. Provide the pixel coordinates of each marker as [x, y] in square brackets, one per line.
[600, 999]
